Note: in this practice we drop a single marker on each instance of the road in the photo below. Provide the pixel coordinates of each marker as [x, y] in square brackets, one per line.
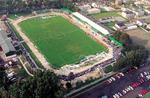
[117, 86]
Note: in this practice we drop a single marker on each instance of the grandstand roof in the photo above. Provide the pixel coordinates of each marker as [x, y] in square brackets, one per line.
[91, 23]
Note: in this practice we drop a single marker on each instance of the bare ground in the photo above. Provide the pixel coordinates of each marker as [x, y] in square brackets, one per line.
[140, 37]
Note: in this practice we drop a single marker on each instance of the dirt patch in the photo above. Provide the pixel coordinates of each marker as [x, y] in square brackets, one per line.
[140, 37]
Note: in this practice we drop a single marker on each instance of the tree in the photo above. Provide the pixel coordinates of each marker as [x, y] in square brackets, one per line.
[79, 83]
[42, 85]
[71, 76]
[134, 55]
[68, 85]
[4, 82]
[4, 93]
[120, 64]
[123, 38]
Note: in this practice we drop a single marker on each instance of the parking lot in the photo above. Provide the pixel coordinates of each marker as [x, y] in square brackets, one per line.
[138, 90]
[121, 86]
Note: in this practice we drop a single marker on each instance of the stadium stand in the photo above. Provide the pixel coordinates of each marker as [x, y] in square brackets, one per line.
[91, 23]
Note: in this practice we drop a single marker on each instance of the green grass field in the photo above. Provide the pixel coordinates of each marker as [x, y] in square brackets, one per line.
[105, 14]
[14, 16]
[147, 95]
[60, 41]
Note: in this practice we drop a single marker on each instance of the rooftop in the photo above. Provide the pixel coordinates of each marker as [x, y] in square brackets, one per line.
[5, 42]
[91, 23]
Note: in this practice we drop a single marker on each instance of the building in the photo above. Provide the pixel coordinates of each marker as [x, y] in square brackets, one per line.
[103, 20]
[147, 2]
[128, 14]
[106, 8]
[148, 27]
[94, 5]
[118, 2]
[6, 45]
[124, 9]
[84, 7]
[120, 26]
[139, 13]
[140, 22]
[126, 1]
[131, 26]
[93, 11]
[147, 11]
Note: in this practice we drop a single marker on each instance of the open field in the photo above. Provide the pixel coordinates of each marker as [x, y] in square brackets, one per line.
[60, 41]
[105, 14]
[140, 37]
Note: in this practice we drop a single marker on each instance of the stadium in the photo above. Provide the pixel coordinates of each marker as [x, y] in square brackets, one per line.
[65, 39]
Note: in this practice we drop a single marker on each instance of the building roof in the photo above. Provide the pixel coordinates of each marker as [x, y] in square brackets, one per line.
[91, 23]
[5, 42]
[128, 12]
[120, 24]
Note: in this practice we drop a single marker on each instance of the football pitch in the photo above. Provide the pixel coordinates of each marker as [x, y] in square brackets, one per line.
[60, 41]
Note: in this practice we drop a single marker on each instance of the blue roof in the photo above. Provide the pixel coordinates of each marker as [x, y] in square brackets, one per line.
[105, 96]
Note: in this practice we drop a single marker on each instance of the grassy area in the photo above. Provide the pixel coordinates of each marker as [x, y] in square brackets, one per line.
[110, 25]
[108, 69]
[105, 14]
[147, 95]
[60, 41]
[22, 73]
[14, 16]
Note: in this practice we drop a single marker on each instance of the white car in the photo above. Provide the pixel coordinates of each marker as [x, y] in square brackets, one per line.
[117, 75]
[109, 80]
[121, 74]
[124, 91]
[141, 74]
[127, 89]
[113, 78]
[114, 96]
[131, 88]
[145, 73]
[119, 94]
[140, 95]
[148, 77]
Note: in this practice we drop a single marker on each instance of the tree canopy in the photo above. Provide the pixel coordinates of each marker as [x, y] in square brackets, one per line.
[42, 85]
[123, 38]
[133, 55]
